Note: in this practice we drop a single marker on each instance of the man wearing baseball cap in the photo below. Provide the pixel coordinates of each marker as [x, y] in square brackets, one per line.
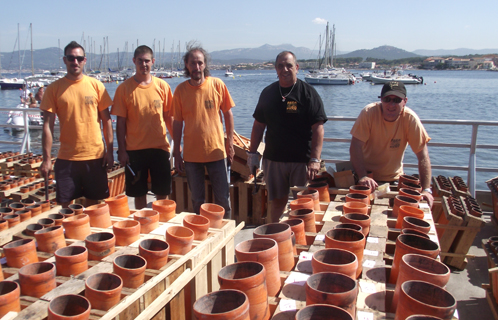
[380, 136]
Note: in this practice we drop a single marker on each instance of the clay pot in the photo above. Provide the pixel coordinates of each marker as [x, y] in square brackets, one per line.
[180, 239]
[335, 260]
[69, 307]
[131, 269]
[27, 202]
[37, 279]
[100, 245]
[23, 214]
[222, 304]
[408, 178]
[248, 277]
[347, 239]
[198, 224]
[118, 206]
[16, 206]
[297, 226]
[35, 209]
[308, 216]
[214, 213]
[358, 207]
[281, 233]
[66, 212]
[32, 228]
[408, 211]
[149, 220]
[419, 297]
[20, 253]
[12, 219]
[358, 197]
[5, 211]
[9, 297]
[416, 224]
[4, 224]
[417, 267]
[302, 203]
[103, 290]
[403, 201]
[407, 243]
[57, 217]
[99, 215]
[352, 226]
[77, 227]
[166, 209]
[264, 251]
[323, 190]
[332, 288]
[126, 232]
[50, 239]
[313, 194]
[360, 189]
[71, 260]
[411, 193]
[362, 220]
[323, 312]
[414, 232]
[77, 208]
[45, 205]
[46, 222]
[155, 252]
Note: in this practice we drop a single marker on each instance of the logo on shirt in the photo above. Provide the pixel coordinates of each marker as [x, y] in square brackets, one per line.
[209, 104]
[291, 107]
[157, 104]
[395, 143]
[88, 100]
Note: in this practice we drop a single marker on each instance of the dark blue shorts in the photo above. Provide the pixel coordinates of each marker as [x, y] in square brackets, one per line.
[155, 161]
[77, 179]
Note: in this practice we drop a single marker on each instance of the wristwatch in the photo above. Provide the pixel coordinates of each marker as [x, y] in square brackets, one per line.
[427, 190]
[314, 160]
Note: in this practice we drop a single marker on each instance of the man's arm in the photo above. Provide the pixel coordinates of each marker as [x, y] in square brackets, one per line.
[108, 137]
[316, 149]
[121, 135]
[425, 173]
[356, 156]
[229, 131]
[258, 129]
[47, 139]
[177, 140]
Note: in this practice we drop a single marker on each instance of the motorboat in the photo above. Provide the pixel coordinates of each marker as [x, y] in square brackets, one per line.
[330, 79]
[13, 83]
[406, 79]
[17, 118]
[228, 73]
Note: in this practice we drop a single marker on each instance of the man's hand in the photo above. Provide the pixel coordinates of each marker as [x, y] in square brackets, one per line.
[313, 168]
[369, 182]
[123, 157]
[230, 151]
[46, 167]
[252, 160]
[179, 166]
[428, 197]
[108, 160]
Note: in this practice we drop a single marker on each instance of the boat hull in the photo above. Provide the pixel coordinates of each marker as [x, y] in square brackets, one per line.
[379, 80]
[327, 81]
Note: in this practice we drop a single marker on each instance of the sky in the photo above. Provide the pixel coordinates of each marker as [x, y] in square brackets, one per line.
[220, 25]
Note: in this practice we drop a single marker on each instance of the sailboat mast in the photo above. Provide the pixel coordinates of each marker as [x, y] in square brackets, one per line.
[332, 46]
[325, 54]
[32, 62]
[19, 49]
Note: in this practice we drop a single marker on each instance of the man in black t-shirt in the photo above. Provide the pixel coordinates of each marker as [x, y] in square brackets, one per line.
[292, 113]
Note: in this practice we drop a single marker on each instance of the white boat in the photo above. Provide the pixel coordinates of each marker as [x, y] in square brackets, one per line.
[17, 118]
[406, 79]
[331, 79]
[228, 73]
[13, 83]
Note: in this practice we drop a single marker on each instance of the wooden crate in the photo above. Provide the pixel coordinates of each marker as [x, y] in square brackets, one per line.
[492, 287]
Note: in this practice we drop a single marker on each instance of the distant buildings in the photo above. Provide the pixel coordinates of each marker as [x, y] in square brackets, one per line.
[367, 65]
[458, 63]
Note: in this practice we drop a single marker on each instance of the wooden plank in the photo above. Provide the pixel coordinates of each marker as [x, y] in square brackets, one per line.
[464, 242]
[447, 236]
[243, 201]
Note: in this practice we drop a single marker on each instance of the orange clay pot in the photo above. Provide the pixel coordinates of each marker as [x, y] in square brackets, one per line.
[50, 239]
[248, 277]
[103, 290]
[45, 205]
[223, 304]
[358, 197]
[323, 190]
[126, 232]
[10, 293]
[118, 206]
[352, 226]
[335, 260]
[350, 240]
[77, 208]
[416, 224]
[313, 194]
[20, 253]
[100, 245]
[37, 279]
[302, 203]
[24, 214]
[281, 233]
[71, 261]
[4, 224]
[12, 219]
[46, 222]
[198, 224]
[332, 288]
[57, 217]
[362, 220]
[27, 202]
[16, 206]
[410, 193]
[67, 212]
[77, 227]
[99, 215]
[149, 220]
[69, 307]
[297, 226]
[414, 232]
[409, 185]
[166, 209]
[323, 312]
[403, 201]
[357, 207]
[180, 239]
[131, 269]
[407, 243]
[4, 211]
[35, 209]
[360, 189]
[408, 178]
[308, 216]
[155, 252]
[264, 251]
[408, 211]
[214, 213]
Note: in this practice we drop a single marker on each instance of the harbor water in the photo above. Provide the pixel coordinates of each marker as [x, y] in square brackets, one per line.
[445, 95]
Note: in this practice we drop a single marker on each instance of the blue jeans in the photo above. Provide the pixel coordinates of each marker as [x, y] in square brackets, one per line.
[217, 171]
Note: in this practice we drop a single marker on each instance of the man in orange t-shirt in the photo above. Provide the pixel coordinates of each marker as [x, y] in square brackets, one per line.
[142, 104]
[80, 102]
[199, 103]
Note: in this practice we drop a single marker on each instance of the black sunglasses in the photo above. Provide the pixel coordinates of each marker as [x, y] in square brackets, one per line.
[395, 100]
[72, 58]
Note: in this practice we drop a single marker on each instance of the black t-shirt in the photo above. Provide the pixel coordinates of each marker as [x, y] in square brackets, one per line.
[288, 123]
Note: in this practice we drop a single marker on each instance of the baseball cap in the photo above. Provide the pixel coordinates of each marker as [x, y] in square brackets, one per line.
[393, 88]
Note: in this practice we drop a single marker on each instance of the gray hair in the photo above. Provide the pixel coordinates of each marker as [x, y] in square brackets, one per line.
[283, 53]
[192, 47]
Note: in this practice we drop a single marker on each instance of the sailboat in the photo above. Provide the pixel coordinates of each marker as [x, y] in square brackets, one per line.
[329, 75]
[14, 83]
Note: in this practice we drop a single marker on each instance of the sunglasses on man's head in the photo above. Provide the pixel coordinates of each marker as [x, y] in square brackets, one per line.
[395, 100]
[71, 58]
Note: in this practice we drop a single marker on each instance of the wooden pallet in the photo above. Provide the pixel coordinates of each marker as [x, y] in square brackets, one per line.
[491, 288]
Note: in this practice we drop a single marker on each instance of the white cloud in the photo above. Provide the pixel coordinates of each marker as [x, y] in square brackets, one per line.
[319, 21]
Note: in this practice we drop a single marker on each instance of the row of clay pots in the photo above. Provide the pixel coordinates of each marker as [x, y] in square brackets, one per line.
[18, 212]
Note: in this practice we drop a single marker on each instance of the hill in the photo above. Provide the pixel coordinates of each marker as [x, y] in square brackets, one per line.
[382, 52]
[264, 53]
[453, 52]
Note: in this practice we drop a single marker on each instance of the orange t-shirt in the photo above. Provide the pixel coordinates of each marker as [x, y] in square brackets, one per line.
[199, 108]
[385, 142]
[143, 107]
[77, 104]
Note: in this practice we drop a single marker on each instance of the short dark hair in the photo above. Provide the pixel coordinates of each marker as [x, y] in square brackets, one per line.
[73, 45]
[143, 49]
[283, 53]
[192, 49]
